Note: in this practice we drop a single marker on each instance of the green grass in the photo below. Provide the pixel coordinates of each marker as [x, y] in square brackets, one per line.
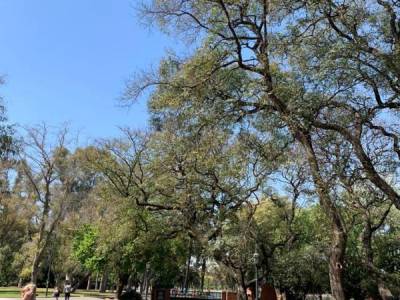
[15, 292]
[93, 293]
[8, 295]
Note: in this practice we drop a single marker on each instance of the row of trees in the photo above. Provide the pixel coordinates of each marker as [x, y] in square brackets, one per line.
[278, 134]
[164, 208]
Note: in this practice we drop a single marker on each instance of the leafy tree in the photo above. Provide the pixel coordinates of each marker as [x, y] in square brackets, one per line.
[15, 216]
[312, 69]
[85, 246]
[49, 183]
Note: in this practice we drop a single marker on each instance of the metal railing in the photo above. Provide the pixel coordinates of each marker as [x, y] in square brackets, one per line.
[193, 294]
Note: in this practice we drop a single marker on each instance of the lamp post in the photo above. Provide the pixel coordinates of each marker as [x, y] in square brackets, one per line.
[255, 260]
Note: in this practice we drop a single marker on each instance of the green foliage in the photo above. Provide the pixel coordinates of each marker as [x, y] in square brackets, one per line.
[387, 245]
[8, 142]
[85, 244]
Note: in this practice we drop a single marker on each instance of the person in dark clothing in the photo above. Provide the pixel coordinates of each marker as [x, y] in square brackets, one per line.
[56, 292]
[67, 290]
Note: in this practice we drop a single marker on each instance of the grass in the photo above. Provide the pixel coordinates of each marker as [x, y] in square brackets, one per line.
[8, 295]
[15, 292]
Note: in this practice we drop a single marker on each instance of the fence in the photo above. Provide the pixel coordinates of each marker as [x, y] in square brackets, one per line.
[193, 294]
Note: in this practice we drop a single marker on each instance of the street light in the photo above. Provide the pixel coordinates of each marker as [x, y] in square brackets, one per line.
[255, 260]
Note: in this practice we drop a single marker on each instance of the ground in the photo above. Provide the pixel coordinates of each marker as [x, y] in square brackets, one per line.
[43, 298]
[11, 293]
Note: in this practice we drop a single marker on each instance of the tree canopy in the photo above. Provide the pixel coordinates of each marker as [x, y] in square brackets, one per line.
[278, 135]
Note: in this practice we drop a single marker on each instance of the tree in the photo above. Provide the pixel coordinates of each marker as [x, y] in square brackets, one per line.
[15, 216]
[310, 64]
[386, 254]
[85, 245]
[8, 143]
[301, 268]
[48, 183]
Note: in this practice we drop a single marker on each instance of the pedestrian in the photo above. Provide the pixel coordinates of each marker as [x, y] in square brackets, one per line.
[28, 292]
[56, 292]
[67, 290]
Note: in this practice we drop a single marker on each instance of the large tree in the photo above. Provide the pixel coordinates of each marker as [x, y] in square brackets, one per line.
[49, 182]
[312, 69]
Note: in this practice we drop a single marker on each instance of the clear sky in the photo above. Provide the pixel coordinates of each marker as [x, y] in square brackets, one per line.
[68, 61]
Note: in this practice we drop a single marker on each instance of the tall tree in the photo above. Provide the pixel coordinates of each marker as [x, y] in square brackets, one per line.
[295, 80]
[48, 183]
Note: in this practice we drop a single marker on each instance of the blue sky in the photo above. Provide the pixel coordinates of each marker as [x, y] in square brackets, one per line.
[68, 61]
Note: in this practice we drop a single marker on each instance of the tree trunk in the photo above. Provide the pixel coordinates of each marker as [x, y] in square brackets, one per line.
[338, 238]
[370, 170]
[42, 240]
[129, 284]
[88, 284]
[366, 238]
[147, 287]
[243, 284]
[186, 282]
[120, 288]
[122, 281]
[367, 243]
[96, 285]
[35, 269]
[203, 273]
[103, 283]
[336, 260]
[141, 285]
[77, 283]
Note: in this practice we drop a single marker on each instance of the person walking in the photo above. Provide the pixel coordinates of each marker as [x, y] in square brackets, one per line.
[67, 290]
[56, 292]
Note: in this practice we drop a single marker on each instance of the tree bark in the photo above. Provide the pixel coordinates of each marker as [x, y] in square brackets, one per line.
[373, 175]
[96, 285]
[366, 238]
[42, 240]
[203, 273]
[35, 268]
[243, 284]
[129, 284]
[186, 282]
[88, 284]
[366, 162]
[76, 284]
[122, 281]
[103, 283]
[336, 261]
[302, 135]
[147, 287]
[367, 243]
[339, 236]
[141, 289]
